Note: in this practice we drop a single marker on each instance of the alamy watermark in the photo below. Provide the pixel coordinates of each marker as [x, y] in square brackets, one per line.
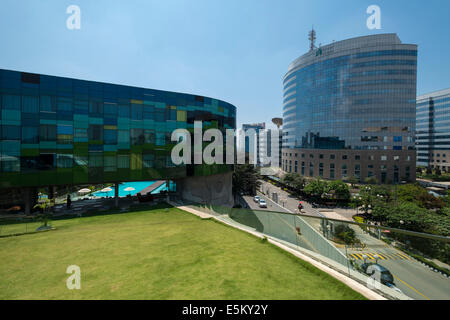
[374, 20]
[74, 280]
[189, 150]
[74, 20]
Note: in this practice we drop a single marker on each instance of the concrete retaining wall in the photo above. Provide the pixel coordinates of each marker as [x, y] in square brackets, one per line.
[214, 189]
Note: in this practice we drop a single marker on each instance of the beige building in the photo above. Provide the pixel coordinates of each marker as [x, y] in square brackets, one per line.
[387, 166]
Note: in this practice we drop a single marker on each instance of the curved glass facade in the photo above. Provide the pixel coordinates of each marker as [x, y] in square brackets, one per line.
[354, 94]
[62, 131]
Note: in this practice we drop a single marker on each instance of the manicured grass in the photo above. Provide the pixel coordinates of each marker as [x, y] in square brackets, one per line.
[156, 254]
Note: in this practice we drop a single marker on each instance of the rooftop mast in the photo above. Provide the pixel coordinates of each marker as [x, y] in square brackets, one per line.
[312, 38]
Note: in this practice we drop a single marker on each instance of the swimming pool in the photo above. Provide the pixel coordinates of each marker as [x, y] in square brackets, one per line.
[138, 186]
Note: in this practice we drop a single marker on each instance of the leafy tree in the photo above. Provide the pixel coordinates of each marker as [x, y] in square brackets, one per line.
[353, 180]
[340, 189]
[44, 207]
[245, 179]
[371, 180]
[316, 188]
[294, 180]
[345, 233]
[420, 196]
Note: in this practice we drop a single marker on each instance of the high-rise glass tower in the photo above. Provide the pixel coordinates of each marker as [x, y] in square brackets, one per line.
[349, 110]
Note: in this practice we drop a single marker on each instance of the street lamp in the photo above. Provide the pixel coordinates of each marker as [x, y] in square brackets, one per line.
[376, 258]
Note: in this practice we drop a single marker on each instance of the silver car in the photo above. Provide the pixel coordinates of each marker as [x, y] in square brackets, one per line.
[262, 203]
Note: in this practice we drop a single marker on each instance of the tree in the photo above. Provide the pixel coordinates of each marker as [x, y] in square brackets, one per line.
[245, 179]
[345, 233]
[44, 207]
[340, 189]
[420, 196]
[353, 180]
[294, 180]
[316, 188]
[371, 180]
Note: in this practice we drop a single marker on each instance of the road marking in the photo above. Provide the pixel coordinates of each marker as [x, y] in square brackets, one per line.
[412, 288]
[382, 256]
[403, 255]
[370, 255]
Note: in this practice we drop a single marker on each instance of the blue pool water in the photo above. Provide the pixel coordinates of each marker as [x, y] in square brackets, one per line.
[138, 186]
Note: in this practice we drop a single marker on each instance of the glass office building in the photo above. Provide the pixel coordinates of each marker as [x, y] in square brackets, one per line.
[350, 106]
[433, 130]
[62, 131]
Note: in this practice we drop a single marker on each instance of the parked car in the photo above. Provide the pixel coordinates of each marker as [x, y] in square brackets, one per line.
[262, 203]
[256, 198]
[386, 277]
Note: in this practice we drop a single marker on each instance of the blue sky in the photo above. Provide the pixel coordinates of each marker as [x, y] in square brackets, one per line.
[234, 50]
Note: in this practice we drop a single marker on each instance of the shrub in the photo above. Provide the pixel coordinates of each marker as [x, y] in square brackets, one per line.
[345, 234]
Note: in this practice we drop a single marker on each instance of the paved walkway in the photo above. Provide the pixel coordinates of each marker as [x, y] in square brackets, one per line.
[152, 187]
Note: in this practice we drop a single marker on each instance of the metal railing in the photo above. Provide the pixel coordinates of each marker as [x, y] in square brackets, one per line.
[397, 263]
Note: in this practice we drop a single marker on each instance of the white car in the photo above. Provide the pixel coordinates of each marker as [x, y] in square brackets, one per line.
[262, 203]
[256, 198]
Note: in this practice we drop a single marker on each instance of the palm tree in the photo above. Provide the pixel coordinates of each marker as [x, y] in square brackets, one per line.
[45, 205]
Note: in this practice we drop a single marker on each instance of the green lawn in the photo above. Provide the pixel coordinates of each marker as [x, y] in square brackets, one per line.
[156, 254]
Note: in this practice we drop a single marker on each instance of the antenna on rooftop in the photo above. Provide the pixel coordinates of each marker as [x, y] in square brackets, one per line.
[312, 38]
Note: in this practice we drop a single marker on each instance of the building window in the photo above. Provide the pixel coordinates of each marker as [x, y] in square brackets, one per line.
[344, 172]
[321, 170]
[321, 156]
[124, 111]
[11, 132]
[358, 171]
[137, 137]
[331, 170]
[110, 109]
[160, 139]
[64, 134]
[110, 137]
[383, 158]
[332, 156]
[303, 168]
[96, 108]
[47, 132]
[148, 160]
[81, 133]
[95, 160]
[30, 135]
[30, 104]
[344, 157]
[11, 102]
[123, 161]
[95, 132]
[110, 163]
[47, 104]
[311, 169]
[357, 157]
[64, 160]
